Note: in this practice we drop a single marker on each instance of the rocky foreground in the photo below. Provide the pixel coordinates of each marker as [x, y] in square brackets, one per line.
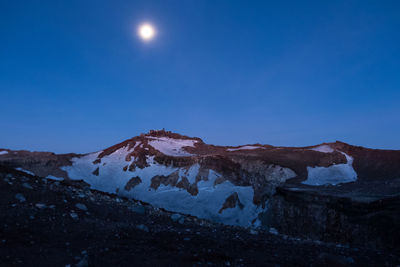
[64, 223]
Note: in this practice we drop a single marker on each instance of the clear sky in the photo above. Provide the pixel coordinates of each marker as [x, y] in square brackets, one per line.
[74, 76]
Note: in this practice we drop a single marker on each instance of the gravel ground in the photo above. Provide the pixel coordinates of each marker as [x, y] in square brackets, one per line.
[52, 223]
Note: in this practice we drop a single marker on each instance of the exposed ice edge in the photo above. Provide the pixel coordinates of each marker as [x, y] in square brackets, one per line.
[206, 204]
[335, 174]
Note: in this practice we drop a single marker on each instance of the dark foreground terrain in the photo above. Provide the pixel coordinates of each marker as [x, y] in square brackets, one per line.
[52, 223]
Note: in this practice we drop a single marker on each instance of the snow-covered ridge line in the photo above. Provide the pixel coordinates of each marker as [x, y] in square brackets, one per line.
[170, 146]
[323, 149]
[244, 148]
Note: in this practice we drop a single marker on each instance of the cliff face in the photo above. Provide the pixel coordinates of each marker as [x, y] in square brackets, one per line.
[356, 216]
[251, 185]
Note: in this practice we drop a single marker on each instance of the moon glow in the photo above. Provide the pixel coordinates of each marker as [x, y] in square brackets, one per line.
[146, 32]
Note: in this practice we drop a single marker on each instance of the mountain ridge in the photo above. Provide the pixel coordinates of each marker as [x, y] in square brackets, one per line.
[334, 187]
[160, 165]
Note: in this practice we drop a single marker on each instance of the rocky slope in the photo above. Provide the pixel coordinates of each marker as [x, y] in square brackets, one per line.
[64, 223]
[251, 185]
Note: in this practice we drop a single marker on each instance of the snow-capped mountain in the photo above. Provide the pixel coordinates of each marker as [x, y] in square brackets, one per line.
[231, 185]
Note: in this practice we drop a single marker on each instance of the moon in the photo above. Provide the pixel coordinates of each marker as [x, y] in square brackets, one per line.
[146, 32]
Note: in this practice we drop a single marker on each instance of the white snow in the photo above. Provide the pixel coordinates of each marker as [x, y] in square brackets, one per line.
[190, 173]
[335, 174]
[244, 148]
[136, 145]
[3, 152]
[23, 170]
[323, 149]
[170, 146]
[206, 204]
[51, 177]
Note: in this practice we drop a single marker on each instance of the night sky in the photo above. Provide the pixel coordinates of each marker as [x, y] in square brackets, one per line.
[75, 76]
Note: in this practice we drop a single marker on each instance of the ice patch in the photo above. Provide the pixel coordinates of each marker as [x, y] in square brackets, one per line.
[170, 146]
[3, 152]
[323, 149]
[244, 148]
[335, 174]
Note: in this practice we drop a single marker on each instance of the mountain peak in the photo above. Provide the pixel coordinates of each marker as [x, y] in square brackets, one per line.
[169, 134]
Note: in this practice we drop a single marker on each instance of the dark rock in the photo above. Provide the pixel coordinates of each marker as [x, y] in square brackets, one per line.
[20, 197]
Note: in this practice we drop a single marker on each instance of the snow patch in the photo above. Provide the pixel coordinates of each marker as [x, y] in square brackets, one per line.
[51, 177]
[323, 149]
[335, 174]
[3, 152]
[136, 145]
[190, 173]
[244, 148]
[25, 171]
[206, 204]
[170, 146]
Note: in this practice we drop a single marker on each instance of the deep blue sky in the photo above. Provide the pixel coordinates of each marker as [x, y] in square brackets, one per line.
[74, 77]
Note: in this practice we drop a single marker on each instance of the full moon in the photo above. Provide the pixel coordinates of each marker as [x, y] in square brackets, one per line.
[146, 31]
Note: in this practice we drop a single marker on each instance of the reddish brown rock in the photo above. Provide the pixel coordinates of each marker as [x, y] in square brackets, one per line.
[96, 172]
[231, 202]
